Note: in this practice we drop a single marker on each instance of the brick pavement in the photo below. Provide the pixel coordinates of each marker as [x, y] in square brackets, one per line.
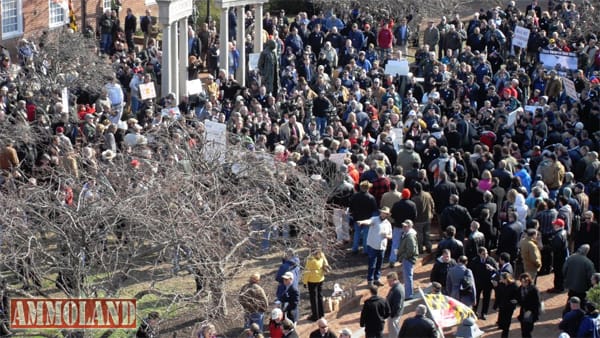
[349, 315]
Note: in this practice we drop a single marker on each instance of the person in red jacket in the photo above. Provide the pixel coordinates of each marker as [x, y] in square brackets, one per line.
[276, 323]
[385, 39]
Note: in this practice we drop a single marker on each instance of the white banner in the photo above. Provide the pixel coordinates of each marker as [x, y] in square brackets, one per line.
[564, 60]
[521, 37]
[397, 67]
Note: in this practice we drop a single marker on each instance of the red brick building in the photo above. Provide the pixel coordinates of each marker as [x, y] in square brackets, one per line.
[26, 18]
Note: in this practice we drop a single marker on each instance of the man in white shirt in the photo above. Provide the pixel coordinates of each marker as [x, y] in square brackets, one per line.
[116, 97]
[380, 230]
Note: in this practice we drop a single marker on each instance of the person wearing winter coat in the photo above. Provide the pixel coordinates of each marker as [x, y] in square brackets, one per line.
[374, 313]
[507, 295]
[408, 254]
[530, 302]
[454, 283]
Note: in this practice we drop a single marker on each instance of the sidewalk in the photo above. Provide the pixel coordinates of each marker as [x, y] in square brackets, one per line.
[349, 315]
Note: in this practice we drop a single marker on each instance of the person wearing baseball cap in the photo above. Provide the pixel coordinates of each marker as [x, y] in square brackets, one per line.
[560, 247]
[290, 298]
[380, 230]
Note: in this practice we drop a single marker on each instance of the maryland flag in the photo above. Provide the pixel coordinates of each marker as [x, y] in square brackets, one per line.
[447, 311]
[72, 18]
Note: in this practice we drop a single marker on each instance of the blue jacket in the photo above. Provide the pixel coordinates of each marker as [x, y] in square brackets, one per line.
[292, 265]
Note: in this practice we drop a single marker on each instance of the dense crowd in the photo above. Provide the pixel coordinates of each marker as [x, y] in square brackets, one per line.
[479, 135]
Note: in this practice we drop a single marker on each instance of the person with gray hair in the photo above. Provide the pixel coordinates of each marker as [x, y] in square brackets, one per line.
[419, 325]
[578, 271]
[407, 156]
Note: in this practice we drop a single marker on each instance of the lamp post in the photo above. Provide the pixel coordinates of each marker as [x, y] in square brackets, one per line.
[207, 11]
[83, 15]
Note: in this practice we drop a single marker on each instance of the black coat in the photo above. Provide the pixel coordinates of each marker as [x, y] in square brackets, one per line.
[483, 276]
[362, 206]
[317, 334]
[509, 239]
[471, 198]
[458, 216]
[455, 246]
[439, 272]
[418, 326]
[290, 299]
[559, 245]
[130, 23]
[402, 210]
[530, 302]
[395, 300]
[475, 241]
[505, 294]
[441, 194]
[373, 315]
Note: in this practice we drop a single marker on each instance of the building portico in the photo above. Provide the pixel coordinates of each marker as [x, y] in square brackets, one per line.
[240, 38]
[172, 15]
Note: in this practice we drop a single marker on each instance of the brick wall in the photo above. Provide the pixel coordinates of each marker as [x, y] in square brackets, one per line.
[36, 17]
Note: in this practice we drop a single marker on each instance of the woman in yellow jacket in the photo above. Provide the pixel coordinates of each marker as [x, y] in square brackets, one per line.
[313, 277]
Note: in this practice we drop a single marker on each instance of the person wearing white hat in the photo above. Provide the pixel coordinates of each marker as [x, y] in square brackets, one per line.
[290, 298]
[275, 323]
[345, 333]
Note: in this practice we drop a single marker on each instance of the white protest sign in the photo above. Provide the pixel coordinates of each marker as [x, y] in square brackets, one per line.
[194, 87]
[531, 108]
[570, 88]
[397, 67]
[398, 135]
[216, 140]
[253, 61]
[65, 100]
[147, 91]
[512, 117]
[337, 158]
[521, 37]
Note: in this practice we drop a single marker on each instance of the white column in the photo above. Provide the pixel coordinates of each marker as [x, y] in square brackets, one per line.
[241, 46]
[183, 57]
[224, 39]
[258, 28]
[174, 64]
[165, 82]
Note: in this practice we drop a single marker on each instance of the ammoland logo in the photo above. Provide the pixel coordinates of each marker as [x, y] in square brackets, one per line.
[83, 313]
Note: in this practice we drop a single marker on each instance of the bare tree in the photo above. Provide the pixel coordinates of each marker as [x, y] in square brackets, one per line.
[163, 209]
[62, 59]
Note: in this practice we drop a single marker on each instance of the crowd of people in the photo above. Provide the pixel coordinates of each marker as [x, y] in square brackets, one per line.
[480, 137]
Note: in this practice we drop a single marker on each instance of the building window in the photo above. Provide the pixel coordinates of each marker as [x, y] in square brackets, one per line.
[57, 13]
[12, 19]
[106, 4]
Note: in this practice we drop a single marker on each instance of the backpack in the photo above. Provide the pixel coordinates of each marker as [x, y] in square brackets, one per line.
[466, 284]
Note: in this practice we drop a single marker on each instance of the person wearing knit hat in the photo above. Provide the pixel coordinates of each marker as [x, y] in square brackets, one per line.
[403, 210]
